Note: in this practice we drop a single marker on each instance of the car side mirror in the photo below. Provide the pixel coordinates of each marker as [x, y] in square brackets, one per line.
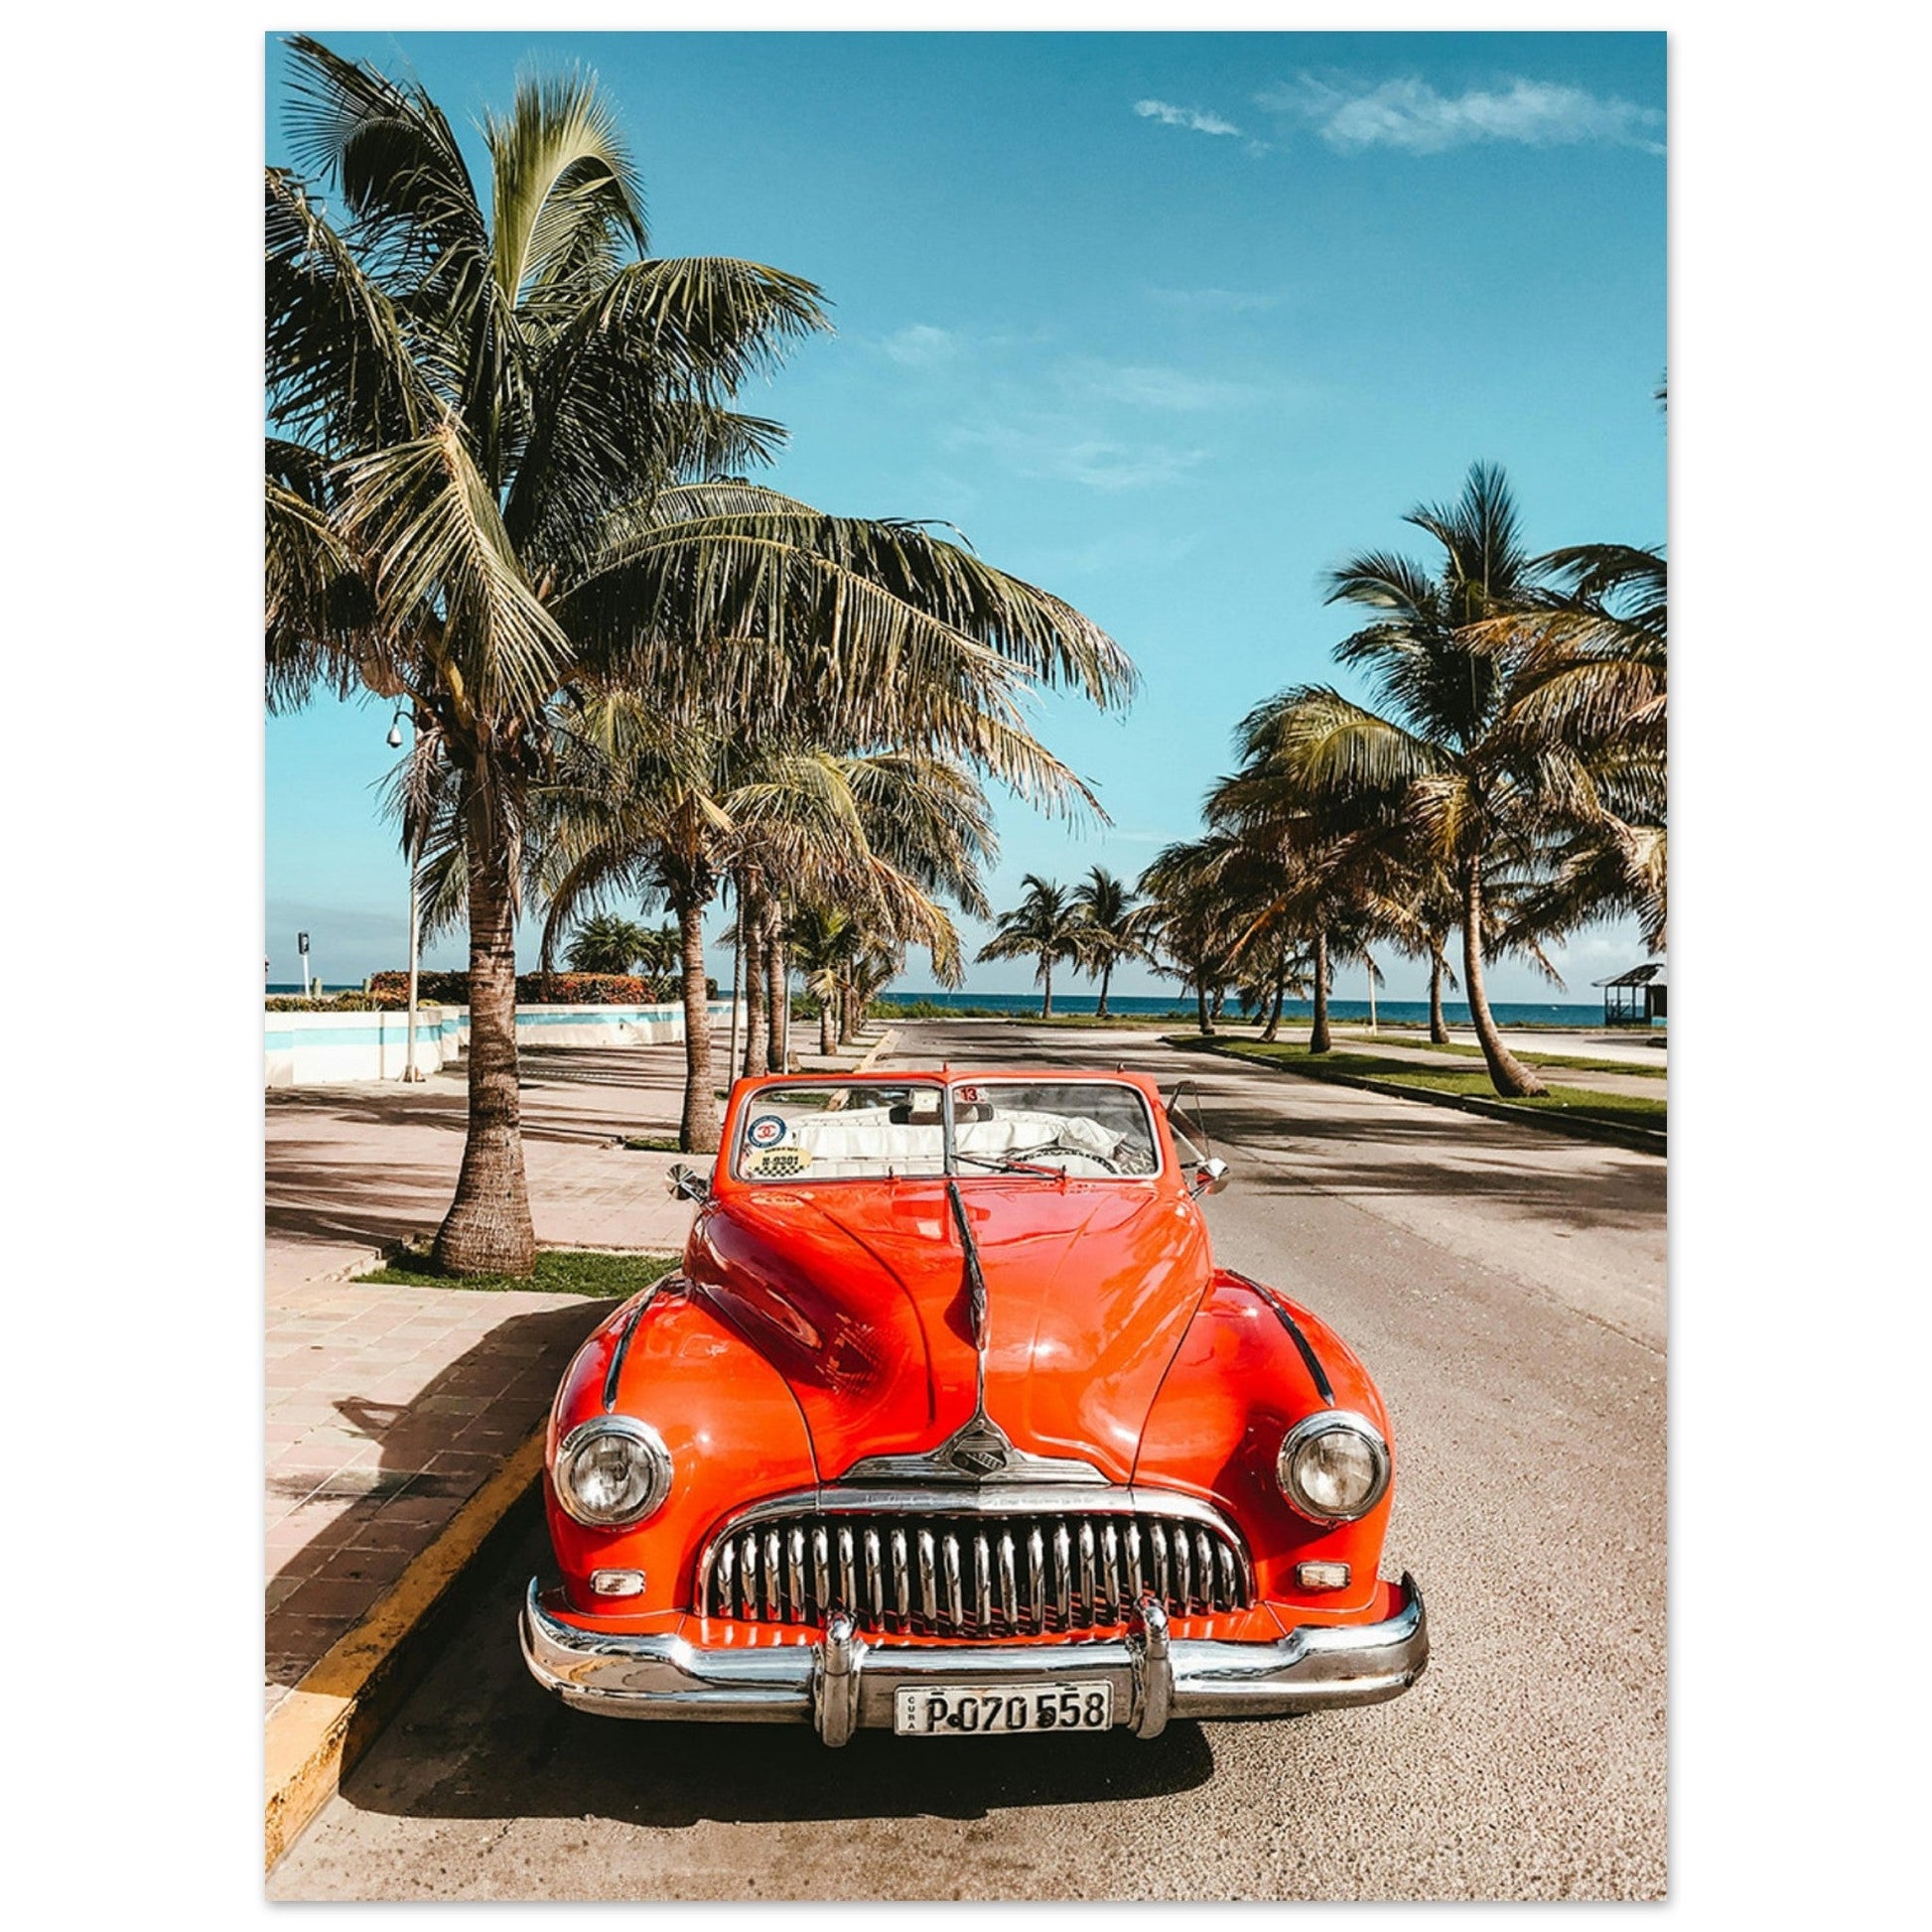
[1209, 1178]
[683, 1183]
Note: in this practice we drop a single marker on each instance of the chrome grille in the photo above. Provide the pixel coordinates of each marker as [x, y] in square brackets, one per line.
[1008, 1574]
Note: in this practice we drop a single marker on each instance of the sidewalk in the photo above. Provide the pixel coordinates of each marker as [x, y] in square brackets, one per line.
[387, 1408]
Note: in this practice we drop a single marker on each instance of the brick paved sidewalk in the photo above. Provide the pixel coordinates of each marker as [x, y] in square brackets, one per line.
[387, 1408]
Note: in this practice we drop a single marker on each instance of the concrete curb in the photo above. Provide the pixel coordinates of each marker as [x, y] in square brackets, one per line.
[335, 1712]
[1640, 1140]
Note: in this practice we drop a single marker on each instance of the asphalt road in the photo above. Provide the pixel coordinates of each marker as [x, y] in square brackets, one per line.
[1507, 1290]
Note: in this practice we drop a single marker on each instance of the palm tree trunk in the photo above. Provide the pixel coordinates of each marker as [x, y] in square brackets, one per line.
[1203, 1017]
[758, 1018]
[1318, 1040]
[1437, 1030]
[1106, 977]
[698, 1130]
[1274, 1005]
[777, 979]
[1047, 997]
[828, 1042]
[488, 1229]
[1507, 1074]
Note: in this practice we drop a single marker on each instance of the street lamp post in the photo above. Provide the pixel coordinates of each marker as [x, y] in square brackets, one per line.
[410, 1070]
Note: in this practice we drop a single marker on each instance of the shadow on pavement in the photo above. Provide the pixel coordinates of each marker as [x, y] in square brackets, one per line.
[478, 1739]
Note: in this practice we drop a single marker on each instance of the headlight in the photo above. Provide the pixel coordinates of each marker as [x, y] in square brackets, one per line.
[612, 1472]
[1333, 1466]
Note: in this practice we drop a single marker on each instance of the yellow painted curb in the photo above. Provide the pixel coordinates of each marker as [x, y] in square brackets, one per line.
[331, 1718]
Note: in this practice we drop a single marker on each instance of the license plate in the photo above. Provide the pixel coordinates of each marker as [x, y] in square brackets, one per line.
[959, 1711]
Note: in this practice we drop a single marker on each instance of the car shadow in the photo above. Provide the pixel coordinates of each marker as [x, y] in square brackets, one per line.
[477, 1738]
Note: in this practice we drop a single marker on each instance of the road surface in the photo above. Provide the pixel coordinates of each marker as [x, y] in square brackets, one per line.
[1506, 1288]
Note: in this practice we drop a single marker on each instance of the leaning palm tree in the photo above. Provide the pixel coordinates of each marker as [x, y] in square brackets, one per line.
[1105, 906]
[490, 415]
[1044, 926]
[1468, 788]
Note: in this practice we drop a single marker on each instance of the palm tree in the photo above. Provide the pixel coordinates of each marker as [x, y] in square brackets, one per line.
[1105, 906]
[1044, 926]
[482, 503]
[1199, 896]
[1589, 692]
[1443, 760]
[605, 945]
[823, 942]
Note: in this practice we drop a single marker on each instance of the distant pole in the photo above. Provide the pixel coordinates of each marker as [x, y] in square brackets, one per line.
[738, 983]
[302, 948]
[410, 1070]
[1371, 994]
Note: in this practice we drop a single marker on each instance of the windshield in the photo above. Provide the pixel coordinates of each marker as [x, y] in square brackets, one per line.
[842, 1131]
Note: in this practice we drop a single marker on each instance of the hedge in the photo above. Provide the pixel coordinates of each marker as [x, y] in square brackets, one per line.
[532, 989]
[341, 1002]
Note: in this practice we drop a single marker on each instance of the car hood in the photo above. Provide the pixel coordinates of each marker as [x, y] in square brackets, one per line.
[857, 1293]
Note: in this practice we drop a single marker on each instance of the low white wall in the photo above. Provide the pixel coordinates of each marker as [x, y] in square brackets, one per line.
[320, 1049]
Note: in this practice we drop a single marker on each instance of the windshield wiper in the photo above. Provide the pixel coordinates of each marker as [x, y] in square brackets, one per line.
[1011, 1166]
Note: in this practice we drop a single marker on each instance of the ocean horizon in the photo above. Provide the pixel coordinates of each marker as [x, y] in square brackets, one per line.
[1519, 1012]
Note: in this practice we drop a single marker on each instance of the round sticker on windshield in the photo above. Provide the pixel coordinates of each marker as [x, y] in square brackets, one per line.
[767, 1131]
[969, 1096]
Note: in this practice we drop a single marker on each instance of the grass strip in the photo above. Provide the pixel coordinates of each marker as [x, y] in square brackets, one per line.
[1576, 1062]
[1620, 1109]
[559, 1270]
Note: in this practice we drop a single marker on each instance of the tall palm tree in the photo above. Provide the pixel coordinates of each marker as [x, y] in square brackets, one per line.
[483, 499]
[1468, 788]
[1589, 691]
[1105, 906]
[1044, 926]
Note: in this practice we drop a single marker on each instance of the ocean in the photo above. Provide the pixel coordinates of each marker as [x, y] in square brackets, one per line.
[1182, 1005]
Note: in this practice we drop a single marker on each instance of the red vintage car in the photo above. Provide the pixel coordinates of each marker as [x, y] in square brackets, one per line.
[949, 1424]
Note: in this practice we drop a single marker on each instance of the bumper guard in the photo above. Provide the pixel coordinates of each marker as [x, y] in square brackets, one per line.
[845, 1684]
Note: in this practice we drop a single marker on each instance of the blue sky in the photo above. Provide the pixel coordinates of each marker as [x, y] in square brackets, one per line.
[1166, 323]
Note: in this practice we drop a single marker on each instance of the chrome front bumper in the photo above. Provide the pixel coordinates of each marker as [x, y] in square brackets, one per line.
[844, 1684]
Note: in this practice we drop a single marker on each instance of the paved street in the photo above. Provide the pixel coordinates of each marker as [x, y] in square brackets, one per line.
[1506, 1287]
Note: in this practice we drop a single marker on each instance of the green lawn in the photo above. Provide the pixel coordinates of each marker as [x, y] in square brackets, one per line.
[1576, 1062]
[559, 1270]
[1625, 1110]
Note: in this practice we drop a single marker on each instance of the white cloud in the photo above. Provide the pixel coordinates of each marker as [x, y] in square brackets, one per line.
[1065, 453]
[1168, 116]
[1231, 301]
[1141, 387]
[922, 347]
[1409, 115]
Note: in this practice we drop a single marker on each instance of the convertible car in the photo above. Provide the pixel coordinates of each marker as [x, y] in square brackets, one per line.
[949, 1424]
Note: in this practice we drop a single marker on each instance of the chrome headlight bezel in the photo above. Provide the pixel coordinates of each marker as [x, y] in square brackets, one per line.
[647, 1446]
[1308, 1430]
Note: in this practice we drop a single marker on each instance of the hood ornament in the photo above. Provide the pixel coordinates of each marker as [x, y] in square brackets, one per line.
[979, 1451]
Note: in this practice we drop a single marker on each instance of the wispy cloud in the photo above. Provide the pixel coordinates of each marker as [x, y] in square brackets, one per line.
[1410, 115]
[1147, 386]
[1168, 116]
[922, 347]
[1064, 452]
[1229, 301]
